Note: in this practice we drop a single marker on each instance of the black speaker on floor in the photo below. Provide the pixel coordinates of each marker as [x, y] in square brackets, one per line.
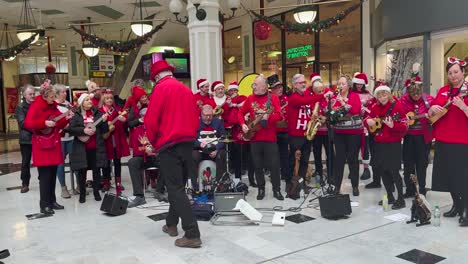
[335, 206]
[114, 205]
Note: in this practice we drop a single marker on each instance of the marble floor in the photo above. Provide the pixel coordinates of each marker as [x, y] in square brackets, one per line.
[82, 234]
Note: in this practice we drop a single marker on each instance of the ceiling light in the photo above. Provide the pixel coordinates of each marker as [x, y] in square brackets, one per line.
[141, 27]
[390, 50]
[89, 50]
[238, 37]
[231, 59]
[27, 23]
[305, 14]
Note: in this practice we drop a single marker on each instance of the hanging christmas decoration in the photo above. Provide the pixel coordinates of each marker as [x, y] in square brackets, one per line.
[307, 28]
[118, 46]
[262, 30]
[15, 50]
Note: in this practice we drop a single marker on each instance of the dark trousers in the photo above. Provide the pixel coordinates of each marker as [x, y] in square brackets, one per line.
[283, 148]
[47, 178]
[136, 166]
[365, 150]
[346, 149]
[415, 159]
[26, 153]
[265, 155]
[106, 172]
[387, 164]
[220, 160]
[375, 176]
[176, 166]
[240, 156]
[91, 160]
[304, 145]
[318, 142]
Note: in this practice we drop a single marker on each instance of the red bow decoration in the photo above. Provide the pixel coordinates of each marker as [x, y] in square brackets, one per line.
[454, 60]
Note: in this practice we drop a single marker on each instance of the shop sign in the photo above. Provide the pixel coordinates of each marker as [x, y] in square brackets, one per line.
[302, 51]
[99, 74]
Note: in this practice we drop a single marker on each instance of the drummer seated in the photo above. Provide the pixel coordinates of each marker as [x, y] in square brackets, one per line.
[205, 147]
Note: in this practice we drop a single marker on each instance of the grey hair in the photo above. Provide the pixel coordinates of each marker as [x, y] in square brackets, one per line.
[296, 77]
[265, 81]
[139, 82]
[206, 108]
[48, 90]
[60, 87]
[26, 87]
[349, 82]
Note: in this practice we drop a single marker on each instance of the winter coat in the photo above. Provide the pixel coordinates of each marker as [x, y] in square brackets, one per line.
[25, 135]
[78, 154]
[117, 137]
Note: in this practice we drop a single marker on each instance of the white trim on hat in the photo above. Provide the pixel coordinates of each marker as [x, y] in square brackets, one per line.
[218, 85]
[232, 86]
[203, 83]
[359, 81]
[83, 97]
[315, 78]
[382, 88]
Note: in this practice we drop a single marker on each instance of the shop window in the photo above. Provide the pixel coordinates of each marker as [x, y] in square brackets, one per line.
[399, 60]
[37, 64]
[268, 53]
[232, 55]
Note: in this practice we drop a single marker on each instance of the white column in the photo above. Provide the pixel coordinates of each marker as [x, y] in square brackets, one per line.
[247, 47]
[206, 56]
[367, 50]
[438, 63]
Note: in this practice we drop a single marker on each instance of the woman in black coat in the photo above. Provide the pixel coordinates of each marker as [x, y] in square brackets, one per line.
[90, 153]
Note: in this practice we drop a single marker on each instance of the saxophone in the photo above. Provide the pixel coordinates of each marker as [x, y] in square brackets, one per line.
[314, 123]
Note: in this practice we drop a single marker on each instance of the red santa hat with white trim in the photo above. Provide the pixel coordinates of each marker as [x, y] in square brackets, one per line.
[360, 78]
[382, 88]
[233, 85]
[415, 79]
[314, 77]
[216, 84]
[201, 82]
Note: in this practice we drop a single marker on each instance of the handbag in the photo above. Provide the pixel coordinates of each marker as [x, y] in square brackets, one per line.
[46, 141]
[202, 211]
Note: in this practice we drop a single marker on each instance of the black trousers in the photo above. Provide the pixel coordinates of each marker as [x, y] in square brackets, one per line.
[220, 160]
[176, 167]
[415, 159]
[304, 145]
[387, 163]
[366, 151]
[106, 172]
[346, 149]
[283, 148]
[91, 160]
[136, 166]
[240, 156]
[26, 153]
[318, 142]
[375, 176]
[265, 155]
[47, 179]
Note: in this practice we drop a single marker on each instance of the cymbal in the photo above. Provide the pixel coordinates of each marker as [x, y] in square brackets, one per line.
[227, 140]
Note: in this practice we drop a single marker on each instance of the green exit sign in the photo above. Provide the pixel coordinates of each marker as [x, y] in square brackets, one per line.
[302, 51]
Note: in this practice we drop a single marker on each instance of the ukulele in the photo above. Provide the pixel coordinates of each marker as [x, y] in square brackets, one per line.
[412, 117]
[85, 138]
[254, 125]
[433, 118]
[111, 123]
[47, 131]
[378, 123]
[294, 188]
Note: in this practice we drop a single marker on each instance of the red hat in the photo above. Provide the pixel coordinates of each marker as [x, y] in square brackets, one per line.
[314, 77]
[201, 82]
[160, 66]
[360, 78]
[216, 84]
[233, 85]
[137, 94]
[108, 91]
[416, 79]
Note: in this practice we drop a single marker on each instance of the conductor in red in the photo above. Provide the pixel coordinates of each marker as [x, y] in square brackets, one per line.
[171, 125]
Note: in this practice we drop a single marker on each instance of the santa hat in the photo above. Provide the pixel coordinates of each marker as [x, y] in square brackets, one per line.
[201, 82]
[416, 79]
[360, 78]
[382, 88]
[216, 84]
[233, 85]
[108, 91]
[83, 97]
[92, 86]
[158, 67]
[137, 94]
[314, 77]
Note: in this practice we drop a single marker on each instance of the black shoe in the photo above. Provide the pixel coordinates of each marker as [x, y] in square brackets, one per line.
[4, 254]
[400, 203]
[97, 196]
[391, 200]
[253, 184]
[82, 198]
[355, 191]
[261, 194]
[464, 217]
[57, 206]
[47, 210]
[454, 211]
[373, 185]
[409, 194]
[365, 174]
[278, 195]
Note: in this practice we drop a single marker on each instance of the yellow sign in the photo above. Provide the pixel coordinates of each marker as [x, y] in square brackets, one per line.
[245, 84]
[99, 74]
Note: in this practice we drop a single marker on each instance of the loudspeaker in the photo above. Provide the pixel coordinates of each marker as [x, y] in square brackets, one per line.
[114, 205]
[335, 206]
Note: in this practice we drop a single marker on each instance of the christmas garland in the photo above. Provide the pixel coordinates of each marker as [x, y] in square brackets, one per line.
[308, 27]
[118, 46]
[15, 50]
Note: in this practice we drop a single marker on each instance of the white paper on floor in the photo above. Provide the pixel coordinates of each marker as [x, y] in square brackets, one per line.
[374, 209]
[354, 204]
[399, 217]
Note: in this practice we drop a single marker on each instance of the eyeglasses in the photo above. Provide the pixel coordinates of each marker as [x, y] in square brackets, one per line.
[454, 60]
[304, 82]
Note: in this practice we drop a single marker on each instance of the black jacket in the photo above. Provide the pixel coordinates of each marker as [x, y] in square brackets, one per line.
[25, 135]
[78, 154]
